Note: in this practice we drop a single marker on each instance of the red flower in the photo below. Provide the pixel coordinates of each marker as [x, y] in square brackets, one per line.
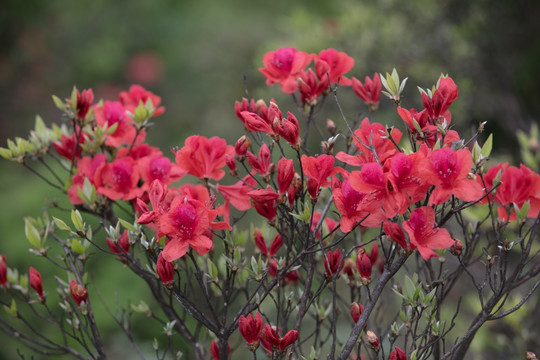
[245, 105]
[3, 270]
[285, 174]
[518, 185]
[35, 281]
[265, 202]
[250, 327]
[449, 172]
[335, 64]
[137, 94]
[437, 106]
[371, 134]
[288, 128]
[356, 311]
[165, 270]
[122, 243]
[398, 354]
[214, 350]
[78, 292]
[158, 167]
[318, 170]
[203, 157]
[66, 146]
[364, 266]
[156, 193]
[84, 102]
[370, 91]
[424, 233]
[333, 263]
[186, 224]
[237, 194]
[276, 342]
[406, 178]
[284, 66]
[86, 168]
[310, 88]
[353, 208]
[118, 180]
[331, 224]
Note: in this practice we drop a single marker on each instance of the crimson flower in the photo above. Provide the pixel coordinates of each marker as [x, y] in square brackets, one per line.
[364, 266]
[333, 263]
[3, 270]
[310, 88]
[237, 194]
[118, 180]
[186, 224]
[425, 234]
[203, 157]
[35, 281]
[67, 146]
[449, 172]
[276, 342]
[137, 94]
[165, 270]
[289, 129]
[369, 91]
[265, 202]
[158, 167]
[318, 170]
[335, 64]
[78, 292]
[250, 327]
[245, 105]
[397, 354]
[277, 243]
[284, 66]
[356, 310]
[86, 168]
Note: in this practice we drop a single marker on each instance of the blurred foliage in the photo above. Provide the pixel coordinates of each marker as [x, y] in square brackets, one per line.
[196, 54]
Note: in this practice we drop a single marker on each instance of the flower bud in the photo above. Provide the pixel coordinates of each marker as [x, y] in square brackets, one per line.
[78, 292]
[231, 164]
[3, 270]
[364, 267]
[241, 147]
[35, 281]
[398, 354]
[348, 268]
[331, 127]
[457, 248]
[332, 260]
[356, 311]
[372, 340]
[165, 270]
[530, 356]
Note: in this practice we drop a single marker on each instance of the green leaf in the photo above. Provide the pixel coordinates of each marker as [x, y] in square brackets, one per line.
[11, 310]
[74, 99]
[213, 271]
[488, 145]
[61, 224]
[127, 225]
[59, 103]
[77, 220]
[6, 153]
[32, 234]
[77, 247]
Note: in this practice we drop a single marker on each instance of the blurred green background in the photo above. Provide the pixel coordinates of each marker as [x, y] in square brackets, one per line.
[196, 55]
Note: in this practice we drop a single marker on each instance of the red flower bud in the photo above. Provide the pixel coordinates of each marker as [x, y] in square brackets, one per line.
[214, 350]
[312, 187]
[250, 327]
[398, 354]
[395, 232]
[276, 342]
[35, 281]
[276, 245]
[332, 260]
[3, 270]
[241, 147]
[356, 311]
[84, 102]
[231, 163]
[122, 243]
[259, 242]
[457, 248]
[165, 270]
[364, 266]
[348, 267]
[78, 292]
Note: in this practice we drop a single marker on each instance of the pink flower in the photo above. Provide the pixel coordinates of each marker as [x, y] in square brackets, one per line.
[111, 113]
[203, 157]
[334, 64]
[284, 66]
[118, 180]
[137, 94]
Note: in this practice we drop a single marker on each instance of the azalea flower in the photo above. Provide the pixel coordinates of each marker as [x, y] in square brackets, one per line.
[334, 64]
[425, 234]
[284, 66]
[369, 91]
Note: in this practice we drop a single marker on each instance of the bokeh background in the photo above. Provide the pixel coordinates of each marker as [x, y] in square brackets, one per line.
[202, 55]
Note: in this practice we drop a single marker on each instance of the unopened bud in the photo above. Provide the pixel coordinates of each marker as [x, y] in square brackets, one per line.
[372, 340]
[531, 356]
[331, 127]
[457, 248]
